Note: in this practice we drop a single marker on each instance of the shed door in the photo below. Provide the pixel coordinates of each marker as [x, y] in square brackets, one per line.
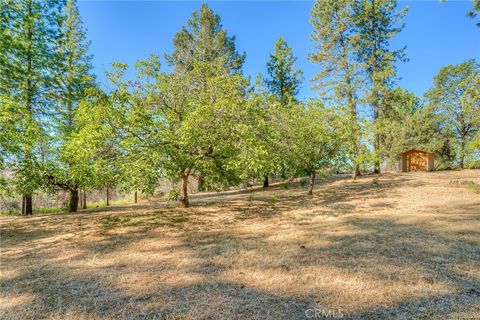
[417, 161]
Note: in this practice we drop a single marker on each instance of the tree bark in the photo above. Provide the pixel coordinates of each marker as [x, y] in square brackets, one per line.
[462, 154]
[376, 102]
[356, 171]
[313, 175]
[265, 182]
[27, 207]
[200, 183]
[136, 196]
[108, 196]
[73, 206]
[184, 199]
[376, 93]
[84, 200]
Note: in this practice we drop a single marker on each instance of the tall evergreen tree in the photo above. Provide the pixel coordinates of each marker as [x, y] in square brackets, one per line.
[72, 80]
[378, 21]
[28, 30]
[284, 80]
[336, 38]
[204, 40]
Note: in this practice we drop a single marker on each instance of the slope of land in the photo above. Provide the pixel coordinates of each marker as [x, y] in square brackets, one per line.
[393, 246]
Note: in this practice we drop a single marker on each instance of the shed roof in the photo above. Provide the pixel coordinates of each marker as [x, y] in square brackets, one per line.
[415, 150]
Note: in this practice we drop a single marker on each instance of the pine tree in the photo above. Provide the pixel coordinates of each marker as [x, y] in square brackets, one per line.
[284, 80]
[28, 29]
[72, 79]
[336, 37]
[203, 39]
[378, 21]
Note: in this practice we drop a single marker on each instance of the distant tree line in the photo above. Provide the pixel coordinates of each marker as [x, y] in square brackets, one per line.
[61, 131]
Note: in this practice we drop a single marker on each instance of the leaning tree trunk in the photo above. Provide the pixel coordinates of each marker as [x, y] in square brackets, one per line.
[265, 182]
[184, 198]
[73, 206]
[313, 175]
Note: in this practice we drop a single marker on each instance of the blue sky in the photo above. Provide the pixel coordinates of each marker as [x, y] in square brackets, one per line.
[436, 34]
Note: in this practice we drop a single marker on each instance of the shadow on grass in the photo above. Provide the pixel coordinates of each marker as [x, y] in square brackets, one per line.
[376, 249]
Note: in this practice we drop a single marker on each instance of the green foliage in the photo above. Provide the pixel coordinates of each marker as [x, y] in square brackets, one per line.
[27, 34]
[455, 97]
[378, 21]
[406, 123]
[203, 39]
[308, 138]
[284, 79]
[204, 119]
[173, 195]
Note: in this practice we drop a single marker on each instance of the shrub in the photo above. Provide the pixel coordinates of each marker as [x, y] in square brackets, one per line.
[173, 195]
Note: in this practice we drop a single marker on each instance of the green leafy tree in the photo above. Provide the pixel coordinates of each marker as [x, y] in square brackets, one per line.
[378, 21]
[336, 40]
[260, 153]
[456, 96]
[176, 124]
[28, 30]
[284, 79]
[308, 139]
[204, 40]
[407, 123]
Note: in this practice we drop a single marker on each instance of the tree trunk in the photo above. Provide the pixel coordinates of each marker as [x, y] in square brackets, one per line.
[108, 196]
[376, 168]
[184, 199]
[73, 206]
[136, 196]
[353, 108]
[27, 207]
[313, 175]
[200, 183]
[356, 171]
[265, 182]
[84, 200]
[462, 154]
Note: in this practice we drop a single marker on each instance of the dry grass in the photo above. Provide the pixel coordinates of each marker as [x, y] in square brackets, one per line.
[407, 246]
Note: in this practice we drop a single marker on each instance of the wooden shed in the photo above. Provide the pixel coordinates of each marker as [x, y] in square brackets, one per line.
[417, 160]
